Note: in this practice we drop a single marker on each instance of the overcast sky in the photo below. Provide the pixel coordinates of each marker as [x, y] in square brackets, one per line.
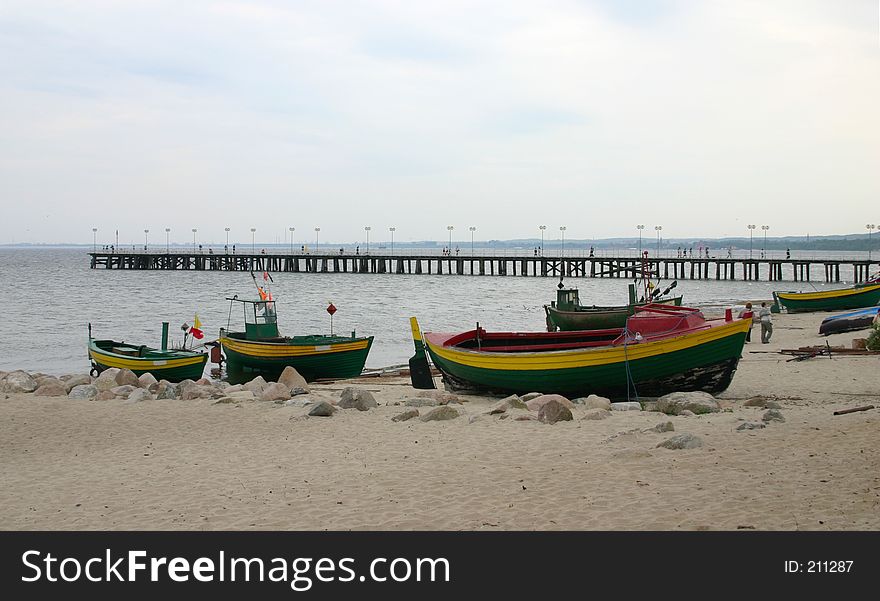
[700, 116]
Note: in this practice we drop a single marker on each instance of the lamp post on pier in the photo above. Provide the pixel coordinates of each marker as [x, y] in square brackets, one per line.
[292, 230]
[167, 240]
[146, 240]
[450, 228]
[317, 229]
[472, 229]
[367, 229]
[194, 230]
[658, 229]
[94, 239]
[562, 229]
[640, 227]
[542, 228]
[253, 240]
[227, 238]
[764, 245]
[869, 227]
[392, 230]
[751, 231]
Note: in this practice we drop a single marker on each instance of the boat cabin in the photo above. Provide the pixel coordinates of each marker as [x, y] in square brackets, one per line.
[260, 318]
[566, 299]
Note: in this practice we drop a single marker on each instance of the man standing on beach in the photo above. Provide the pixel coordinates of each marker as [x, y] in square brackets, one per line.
[747, 313]
[766, 323]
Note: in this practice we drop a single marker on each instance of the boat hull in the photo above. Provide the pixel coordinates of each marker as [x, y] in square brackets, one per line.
[595, 318]
[848, 322]
[704, 360]
[829, 300]
[311, 356]
[173, 369]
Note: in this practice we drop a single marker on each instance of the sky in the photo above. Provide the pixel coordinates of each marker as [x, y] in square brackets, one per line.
[596, 115]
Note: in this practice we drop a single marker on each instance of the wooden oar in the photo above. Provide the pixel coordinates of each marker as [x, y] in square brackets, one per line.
[419, 370]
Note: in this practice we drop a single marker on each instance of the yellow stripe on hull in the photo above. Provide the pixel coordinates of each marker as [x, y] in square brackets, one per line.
[143, 364]
[275, 350]
[840, 293]
[592, 357]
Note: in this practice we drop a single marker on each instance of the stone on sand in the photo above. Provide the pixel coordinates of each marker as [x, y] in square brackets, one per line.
[75, 380]
[772, 415]
[107, 379]
[596, 402]
[56, 388]
[596, 414]
[292, 379]
[626, 406]
[505, 404]
[126, 377]
[662, 427]
[554, 411]
[531, 395]
[536, 403]
[322, 409]
[442, 413]
[751, 426]
[17, 382]
[147, 380]
[122, 391]
[275, 392]
[256, 385]
[682, 441]
[84, 392]
[357, 398]
[420, 401]
[139, 394]
[406, 415]
[697, 402]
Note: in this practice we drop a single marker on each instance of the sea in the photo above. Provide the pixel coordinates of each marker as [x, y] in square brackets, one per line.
[50, 296]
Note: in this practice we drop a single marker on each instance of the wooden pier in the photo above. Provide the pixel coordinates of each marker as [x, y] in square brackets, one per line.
[796, 270]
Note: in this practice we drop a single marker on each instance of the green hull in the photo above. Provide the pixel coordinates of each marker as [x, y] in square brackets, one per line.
[708, 367]
[345, 357]
[173, 366]
[795, 303]
[595, 318]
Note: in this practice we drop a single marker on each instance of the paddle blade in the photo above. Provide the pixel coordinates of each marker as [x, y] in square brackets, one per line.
[420, 372]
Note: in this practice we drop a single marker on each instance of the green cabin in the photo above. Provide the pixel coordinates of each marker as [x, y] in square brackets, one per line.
[260, 319]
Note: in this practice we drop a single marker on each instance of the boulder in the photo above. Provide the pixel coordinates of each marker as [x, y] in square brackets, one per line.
[42, 380]
[107, 379]
[166, 390]
[357, 398]
[442, 397]
[126, 377]
[662, 427]
[682, 441]
[772, 405]
[596, 414]
[298, 390]
[302, 400]
[275, 392]
[256, 385]
[441, 413]
[204, 382]
[147, 380]
[241, 395]
[772, 415]
[18, 381]
[626, 406]
[123, 391]
[511, 402]
[697, 402]
[75, 380]
[537, 402]
[56, 388]
[531, 395]
[406, 415]
[234, 388]
[291, 378]
[596, 402]
[421, 402]
[687, 413]
[84, 392]
[751, 426]
[139, 394]
[554, 411]
[105, 395]
[322, 409]
[197, 391]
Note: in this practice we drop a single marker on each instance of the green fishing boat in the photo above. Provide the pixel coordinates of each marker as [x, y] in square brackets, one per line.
[567, 314]
[261, 350]
[173, 365]
[854, 297]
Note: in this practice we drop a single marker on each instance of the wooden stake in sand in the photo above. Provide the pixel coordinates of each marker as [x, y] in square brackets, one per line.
[853, 410]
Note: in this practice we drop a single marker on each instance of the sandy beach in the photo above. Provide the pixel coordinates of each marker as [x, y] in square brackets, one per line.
[197, 465]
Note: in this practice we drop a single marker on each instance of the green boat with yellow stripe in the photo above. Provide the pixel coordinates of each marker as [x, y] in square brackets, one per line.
[261, 350]
[854, 297]
[662, 349]
[173, 365]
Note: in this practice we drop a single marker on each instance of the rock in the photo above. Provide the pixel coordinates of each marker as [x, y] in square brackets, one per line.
[147, 380]
[537, 402]
[166, 390]
[406, 415]
[626, 406]
[234, 388]
[596, 402]
[17, 382]
[442, 397]
[531, 395]
[275, 392]
[43, 380]
[83, 392]
[525, 418]
[421, 402]
[107, 379]
[322, 409]
[554, 411]
[662, 427]
[123, 391]
[56, 388]
[357, 398]
[649, 405]
[291, 378]
[139, 394]
[772, 405]
[505, 404]
[75, 380]
[596, 414]
[682, 441]
[441, 413]
[204, 382]
[751, 426]
[226, 400]
[687, 413]
[302, 400]
[126, 377]
[757, 401]
[772, 415]
[697, 402]
[105, 395]
[298, 390]
[198, 391]
[256, 385]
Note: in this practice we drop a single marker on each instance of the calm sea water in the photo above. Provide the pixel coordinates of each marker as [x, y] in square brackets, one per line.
[49, 296]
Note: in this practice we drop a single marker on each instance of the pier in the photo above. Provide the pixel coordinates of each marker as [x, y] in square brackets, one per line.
[796, 270]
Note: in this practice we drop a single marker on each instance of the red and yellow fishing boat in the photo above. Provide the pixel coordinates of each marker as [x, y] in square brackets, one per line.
[662, 349]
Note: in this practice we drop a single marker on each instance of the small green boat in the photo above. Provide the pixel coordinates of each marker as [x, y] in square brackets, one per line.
[261, 350]
[854, 297]
[567, 314]
[173, 365]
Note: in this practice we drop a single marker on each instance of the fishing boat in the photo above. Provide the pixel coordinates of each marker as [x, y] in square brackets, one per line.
[662, 348]
[854, 297]
[261, 350]
[173, 365]
[567, 314]
[848, 322]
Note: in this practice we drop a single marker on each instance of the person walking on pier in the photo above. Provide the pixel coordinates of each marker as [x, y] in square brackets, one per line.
[787, 253]
[766, 323]
[591, 251]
